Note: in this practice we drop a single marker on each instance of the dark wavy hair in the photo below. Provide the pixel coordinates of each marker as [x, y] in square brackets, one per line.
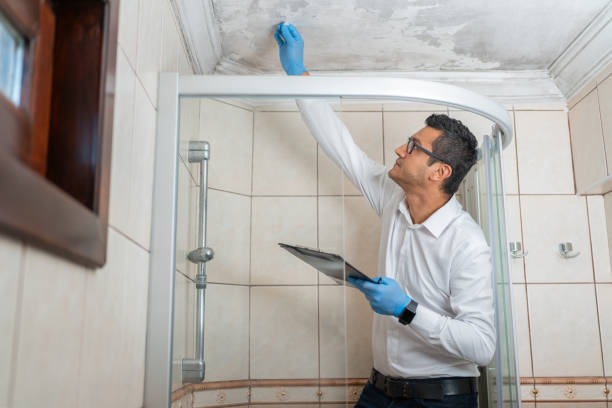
[456, 145]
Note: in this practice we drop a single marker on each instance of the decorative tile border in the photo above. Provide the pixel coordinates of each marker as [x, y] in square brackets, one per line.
[223, 394]
[567, 389]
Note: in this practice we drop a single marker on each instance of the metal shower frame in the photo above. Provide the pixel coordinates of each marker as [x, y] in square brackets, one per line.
[158, 370]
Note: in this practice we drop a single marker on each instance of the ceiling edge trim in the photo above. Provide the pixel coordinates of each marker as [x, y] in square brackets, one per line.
[534, 86]
[203, 41]
[586, 56]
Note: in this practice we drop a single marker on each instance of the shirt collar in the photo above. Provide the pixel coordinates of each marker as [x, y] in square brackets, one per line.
[440, 219]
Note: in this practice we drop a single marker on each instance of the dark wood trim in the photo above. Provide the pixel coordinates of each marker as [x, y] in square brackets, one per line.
[37, 92]
[33, 209]
[24, 14]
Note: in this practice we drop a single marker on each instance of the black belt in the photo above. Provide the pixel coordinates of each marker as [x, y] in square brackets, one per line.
[430, 388]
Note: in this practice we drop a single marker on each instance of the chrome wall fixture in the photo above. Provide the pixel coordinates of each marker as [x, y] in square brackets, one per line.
[516, 250]
[193, 369]
[566, 250]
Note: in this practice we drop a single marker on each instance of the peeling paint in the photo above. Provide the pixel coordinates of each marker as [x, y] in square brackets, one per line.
[406, 35]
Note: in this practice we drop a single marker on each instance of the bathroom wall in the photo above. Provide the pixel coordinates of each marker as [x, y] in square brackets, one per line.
[72, 336]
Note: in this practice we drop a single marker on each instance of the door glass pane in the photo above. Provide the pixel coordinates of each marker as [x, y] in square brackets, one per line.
[11, 60]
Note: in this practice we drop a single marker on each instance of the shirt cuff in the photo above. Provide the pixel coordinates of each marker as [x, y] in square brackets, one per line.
[426, 322]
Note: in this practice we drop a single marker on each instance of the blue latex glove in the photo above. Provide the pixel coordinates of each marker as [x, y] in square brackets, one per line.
[386, 297]
[290, 48]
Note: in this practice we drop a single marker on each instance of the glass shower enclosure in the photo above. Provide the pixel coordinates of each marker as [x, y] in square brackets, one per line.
[233, 319]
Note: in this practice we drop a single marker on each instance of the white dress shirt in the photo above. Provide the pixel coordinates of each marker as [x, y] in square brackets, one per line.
[444, 264]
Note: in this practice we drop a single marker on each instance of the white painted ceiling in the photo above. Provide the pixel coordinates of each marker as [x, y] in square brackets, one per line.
[405, 35]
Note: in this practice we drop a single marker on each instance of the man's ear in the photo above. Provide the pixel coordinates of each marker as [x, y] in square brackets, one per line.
[441, 171]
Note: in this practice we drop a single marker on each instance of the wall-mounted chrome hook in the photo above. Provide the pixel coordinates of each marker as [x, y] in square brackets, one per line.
[516, 250]
[566, 248]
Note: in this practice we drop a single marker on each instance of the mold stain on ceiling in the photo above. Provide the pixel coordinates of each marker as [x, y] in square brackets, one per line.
[405, 35]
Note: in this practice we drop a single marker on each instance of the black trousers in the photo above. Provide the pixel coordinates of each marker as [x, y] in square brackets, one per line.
[374, 398]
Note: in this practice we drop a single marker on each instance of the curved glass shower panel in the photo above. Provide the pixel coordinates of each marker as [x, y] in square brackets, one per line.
[274, 329]
[502, 374]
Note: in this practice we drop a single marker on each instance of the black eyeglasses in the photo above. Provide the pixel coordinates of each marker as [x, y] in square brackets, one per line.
[412, 144]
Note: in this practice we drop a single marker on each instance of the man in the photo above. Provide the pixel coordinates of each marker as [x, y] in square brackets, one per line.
[433, 301]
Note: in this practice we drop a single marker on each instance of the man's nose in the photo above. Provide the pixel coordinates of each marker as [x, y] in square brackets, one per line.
[401, 150]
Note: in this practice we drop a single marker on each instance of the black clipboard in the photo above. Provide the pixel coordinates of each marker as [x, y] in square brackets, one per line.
[331, 265]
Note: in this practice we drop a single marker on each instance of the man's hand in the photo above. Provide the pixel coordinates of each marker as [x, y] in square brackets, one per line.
[290, 48]
[386, 297]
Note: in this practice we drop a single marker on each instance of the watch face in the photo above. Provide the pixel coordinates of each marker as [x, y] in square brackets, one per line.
[408, 313]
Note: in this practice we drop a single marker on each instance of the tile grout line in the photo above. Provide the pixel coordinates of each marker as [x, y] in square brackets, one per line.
[603, 365]
[603, 136]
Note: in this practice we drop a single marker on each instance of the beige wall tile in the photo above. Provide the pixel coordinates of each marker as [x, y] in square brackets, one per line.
[141, 185]
[398, 127]
[229, 130]
[547, 222]
[544, 155]
[182, 287]
[128, 30]
[219, 397]
[51, 326]
[331, 229]
[608, 210]
[604, 94]
[587, 142]
[290, 220]
[187, 221]
[599, 239]
[345, 324]
[11, 254]
[361, 235]
[283, 332]
[189, 129]
[509, 165]
[171, 42]
[148, 60]
[134, 327]
[101, 349]
[604, 300]
[229, 235]
[123, 144]
[558, 351]
[514, 232]
[284, 155]
[350, 227]
[521, 324]
[366, 130]
[226, 337]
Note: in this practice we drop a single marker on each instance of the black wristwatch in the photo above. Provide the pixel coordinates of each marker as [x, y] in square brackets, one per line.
[408, 313]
